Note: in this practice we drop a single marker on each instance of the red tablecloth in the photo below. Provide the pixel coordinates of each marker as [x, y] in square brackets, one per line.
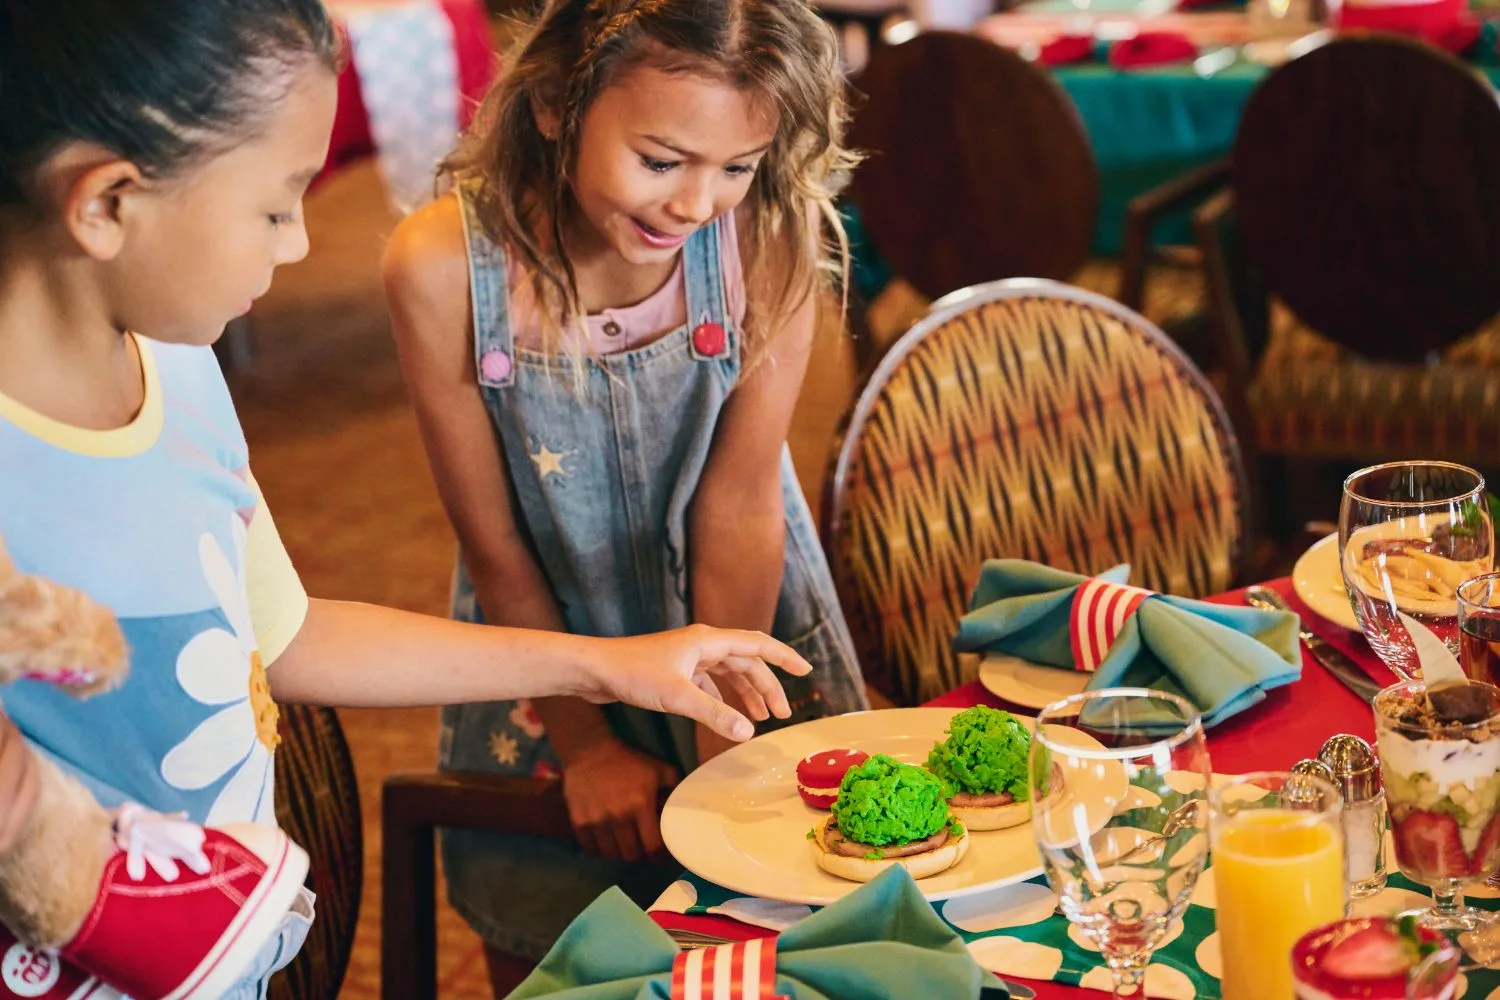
[1290, 724]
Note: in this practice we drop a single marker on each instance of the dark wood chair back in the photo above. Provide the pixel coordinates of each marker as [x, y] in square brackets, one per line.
[413, 807]
[978, 165]
[1364, 177]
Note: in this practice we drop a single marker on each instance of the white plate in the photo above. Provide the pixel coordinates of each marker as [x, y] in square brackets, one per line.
[739, 822]
[1318, 580]
[1026, 684]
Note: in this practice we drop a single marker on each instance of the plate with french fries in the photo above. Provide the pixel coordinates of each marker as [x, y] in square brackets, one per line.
[1317, 580]
[1415, 562]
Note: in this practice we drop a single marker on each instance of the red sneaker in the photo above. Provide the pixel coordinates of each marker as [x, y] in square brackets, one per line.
[165, 934]
[28, 974]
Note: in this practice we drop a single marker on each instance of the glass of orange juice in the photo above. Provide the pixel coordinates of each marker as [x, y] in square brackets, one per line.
[1278, 868]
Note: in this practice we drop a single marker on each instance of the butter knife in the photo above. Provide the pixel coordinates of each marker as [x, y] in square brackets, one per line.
[1345, 670]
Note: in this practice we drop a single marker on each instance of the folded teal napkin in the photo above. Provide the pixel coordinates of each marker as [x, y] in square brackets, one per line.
[1221, 658]
[881, 941]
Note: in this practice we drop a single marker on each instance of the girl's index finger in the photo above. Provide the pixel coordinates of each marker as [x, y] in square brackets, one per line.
[762, 646]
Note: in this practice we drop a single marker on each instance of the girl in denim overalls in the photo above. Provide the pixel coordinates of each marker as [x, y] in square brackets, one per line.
[605, 329]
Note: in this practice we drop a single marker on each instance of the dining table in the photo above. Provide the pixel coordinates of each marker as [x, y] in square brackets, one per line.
[1290, 724]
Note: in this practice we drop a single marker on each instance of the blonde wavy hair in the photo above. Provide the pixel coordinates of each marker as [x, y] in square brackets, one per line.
[777, 49]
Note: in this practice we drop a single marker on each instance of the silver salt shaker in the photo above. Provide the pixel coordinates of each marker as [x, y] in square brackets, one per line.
[1356, 774]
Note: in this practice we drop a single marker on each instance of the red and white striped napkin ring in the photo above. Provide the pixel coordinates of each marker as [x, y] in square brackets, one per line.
[741, 970]
[1100, 611]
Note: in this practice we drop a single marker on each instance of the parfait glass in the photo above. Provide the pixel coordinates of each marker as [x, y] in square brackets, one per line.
[1442, 789]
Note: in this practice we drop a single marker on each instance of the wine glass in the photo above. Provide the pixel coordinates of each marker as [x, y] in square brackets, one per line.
[1123, 865]
[1409, 534]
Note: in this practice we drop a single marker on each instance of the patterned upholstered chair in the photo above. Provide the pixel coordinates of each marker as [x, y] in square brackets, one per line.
[317, 803]
[1357, 321]
[1026, 419]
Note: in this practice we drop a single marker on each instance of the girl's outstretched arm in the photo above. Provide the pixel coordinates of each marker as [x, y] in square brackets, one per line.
[359, 655]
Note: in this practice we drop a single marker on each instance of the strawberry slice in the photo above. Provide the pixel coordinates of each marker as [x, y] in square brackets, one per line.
[1489, 841]
[1428, 844]
[1376, 952]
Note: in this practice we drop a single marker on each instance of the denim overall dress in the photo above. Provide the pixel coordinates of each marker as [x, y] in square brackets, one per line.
[604, 470]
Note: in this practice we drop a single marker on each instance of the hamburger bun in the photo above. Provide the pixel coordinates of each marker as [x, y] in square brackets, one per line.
[997, 812]
[921, 863]
[1000, 816]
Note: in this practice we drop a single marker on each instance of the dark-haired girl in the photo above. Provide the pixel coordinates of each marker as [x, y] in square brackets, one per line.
[153, 157]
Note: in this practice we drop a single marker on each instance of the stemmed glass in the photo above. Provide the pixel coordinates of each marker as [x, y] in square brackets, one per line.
[1442, 787]
[1410, 533]
[1124, 867]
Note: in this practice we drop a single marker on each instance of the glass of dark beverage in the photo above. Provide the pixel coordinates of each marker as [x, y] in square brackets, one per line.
[1479, 627]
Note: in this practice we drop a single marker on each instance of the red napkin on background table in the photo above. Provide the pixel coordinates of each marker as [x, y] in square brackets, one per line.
[1066, 49]
[1152, 48]
[1447, 24]
[1149, 48]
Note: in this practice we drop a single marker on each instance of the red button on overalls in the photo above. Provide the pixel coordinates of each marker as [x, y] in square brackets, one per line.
[709, 339]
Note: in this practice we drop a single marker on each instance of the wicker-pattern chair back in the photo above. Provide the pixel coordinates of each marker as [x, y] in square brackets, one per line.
[317, 804]
[1032, 420]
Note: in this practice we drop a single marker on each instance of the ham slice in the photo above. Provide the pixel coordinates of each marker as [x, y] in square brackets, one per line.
[968, 801]
[840, 844]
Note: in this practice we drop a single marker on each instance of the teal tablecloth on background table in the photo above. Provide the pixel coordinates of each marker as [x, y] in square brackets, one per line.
[1149, 126]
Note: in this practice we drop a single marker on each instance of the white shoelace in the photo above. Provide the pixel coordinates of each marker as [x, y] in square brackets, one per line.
[161, 841]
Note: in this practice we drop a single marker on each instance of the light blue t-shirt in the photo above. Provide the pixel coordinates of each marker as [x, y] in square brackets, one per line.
[160, 522]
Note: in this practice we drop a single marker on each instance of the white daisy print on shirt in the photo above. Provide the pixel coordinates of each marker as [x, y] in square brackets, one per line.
[219, 667]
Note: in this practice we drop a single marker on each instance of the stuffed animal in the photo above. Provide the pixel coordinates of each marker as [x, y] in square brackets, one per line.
[49, 881]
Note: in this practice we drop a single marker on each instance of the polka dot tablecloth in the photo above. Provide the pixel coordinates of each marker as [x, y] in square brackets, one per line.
[1015, 932]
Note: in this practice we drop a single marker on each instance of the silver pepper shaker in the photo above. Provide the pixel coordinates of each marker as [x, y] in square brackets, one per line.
[1316, 768]
[1356, 774]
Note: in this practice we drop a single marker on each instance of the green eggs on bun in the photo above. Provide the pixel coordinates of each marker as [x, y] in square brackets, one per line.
[983, 764]
[888, 813]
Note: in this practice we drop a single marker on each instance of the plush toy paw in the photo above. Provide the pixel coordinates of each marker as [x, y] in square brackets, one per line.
[58, 634]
